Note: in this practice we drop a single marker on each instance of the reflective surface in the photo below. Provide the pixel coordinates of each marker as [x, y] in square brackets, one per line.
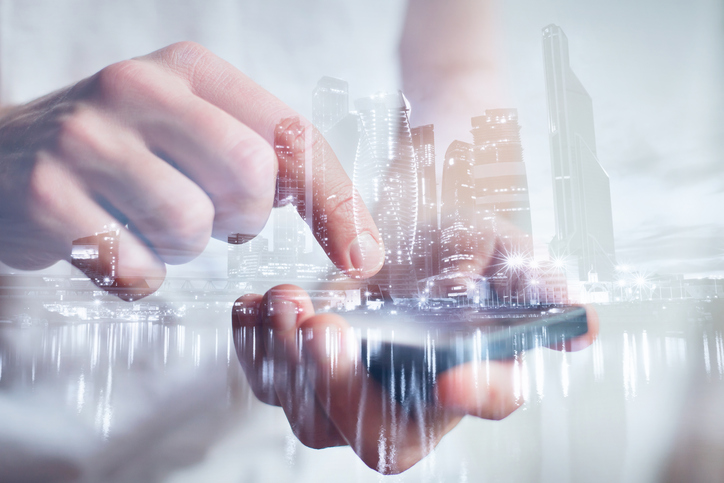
[166, 401]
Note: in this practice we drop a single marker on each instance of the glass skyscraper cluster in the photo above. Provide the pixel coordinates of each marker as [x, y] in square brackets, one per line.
[432, 244]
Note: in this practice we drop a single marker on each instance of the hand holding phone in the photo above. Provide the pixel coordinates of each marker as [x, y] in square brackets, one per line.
[406, 349]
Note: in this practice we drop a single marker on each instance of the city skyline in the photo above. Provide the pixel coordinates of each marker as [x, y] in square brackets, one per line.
[500, 180]
[483, 184]
[431, 237]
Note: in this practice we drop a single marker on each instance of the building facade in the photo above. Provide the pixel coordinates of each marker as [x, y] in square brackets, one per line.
[426, 252]
[581, 191]
[385, 174]
[459, 228]
[501, 183]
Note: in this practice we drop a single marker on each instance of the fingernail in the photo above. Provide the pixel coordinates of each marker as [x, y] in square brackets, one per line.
[246, 310]
[282, 314]
[366, 256]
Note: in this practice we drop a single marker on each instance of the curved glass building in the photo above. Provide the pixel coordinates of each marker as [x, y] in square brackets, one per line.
[385, 174]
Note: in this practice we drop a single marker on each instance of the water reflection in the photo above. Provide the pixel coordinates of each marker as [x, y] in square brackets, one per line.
[129, 384]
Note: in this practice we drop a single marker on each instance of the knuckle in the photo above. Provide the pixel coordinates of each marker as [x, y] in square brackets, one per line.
[120, 79]
[258, 170]
[185, 52]
[196, 221]
[186, 58]
[44, 192]
[190, 223]
[77, 133]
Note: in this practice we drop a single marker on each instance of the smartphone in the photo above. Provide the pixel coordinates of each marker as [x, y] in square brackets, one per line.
[405, 349]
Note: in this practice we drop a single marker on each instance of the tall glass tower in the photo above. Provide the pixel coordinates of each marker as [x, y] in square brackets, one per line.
[458, 227]
[385, 174]
[501, 182]
[426, 252]
[581, 191]
[331, 117]
[330, 102]
[292, 188]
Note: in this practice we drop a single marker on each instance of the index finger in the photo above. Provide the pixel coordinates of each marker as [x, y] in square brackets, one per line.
[338, 217]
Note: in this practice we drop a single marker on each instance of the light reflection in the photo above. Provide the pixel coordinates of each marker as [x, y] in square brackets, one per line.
[107, 411]
[123, 349]
[525, 378]
[646, 355]
[539, 374]
[720, 353]
[675, 349]
[516, 379]
[197, 351]
[598, 366]
[81, 393]
[565, 377]
[629, 365]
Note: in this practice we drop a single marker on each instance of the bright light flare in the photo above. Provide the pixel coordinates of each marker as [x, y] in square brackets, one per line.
[514, 261]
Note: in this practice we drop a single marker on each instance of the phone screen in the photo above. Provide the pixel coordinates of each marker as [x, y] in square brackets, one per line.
[405, 349]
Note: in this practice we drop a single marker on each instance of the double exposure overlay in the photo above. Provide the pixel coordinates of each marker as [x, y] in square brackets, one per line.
[439, 241]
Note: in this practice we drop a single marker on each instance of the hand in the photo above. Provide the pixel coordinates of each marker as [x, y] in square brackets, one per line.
[310, 366]
[173, 147]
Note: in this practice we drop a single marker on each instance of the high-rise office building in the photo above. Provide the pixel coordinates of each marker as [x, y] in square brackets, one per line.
[331, 117]
[289, 146]
[501, 182]
[458, 234]
[385, 174]
[581, 191]
[426, 252]
[97, 256]
[330, 102]
[245, 254]
[294, 186]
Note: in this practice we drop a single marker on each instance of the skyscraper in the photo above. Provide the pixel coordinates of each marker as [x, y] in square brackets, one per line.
[581, 191]
[294, 187]
[426, 252]
[330, 102]
[97, 256]
[385, 174]
[459, 229]
[331, 117]
[501, 183]
[245, 255]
